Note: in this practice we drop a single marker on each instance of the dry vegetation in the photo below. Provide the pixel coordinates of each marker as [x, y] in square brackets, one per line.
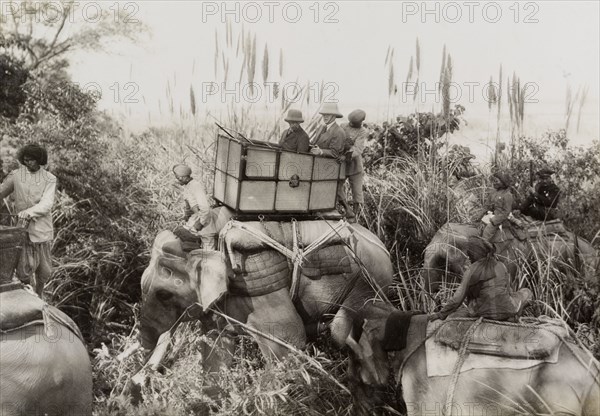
[117, 192]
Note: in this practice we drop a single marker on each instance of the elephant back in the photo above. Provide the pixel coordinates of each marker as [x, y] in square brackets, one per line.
[20, 308]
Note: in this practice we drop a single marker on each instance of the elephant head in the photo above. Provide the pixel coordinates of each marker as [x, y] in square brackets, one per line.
[171, 290]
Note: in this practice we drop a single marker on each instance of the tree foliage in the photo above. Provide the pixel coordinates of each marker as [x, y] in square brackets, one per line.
[12, 79]
[42, 34]
[418, 135]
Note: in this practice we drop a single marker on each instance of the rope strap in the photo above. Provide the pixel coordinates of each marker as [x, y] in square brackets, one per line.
[462, 352]
[296, 254]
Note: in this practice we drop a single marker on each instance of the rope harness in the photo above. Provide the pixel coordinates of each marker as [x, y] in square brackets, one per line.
[296, 254]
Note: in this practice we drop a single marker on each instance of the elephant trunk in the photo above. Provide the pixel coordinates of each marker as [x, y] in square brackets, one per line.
[148, 335]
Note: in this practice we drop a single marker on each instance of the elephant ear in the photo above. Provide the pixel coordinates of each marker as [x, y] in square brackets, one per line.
[208, 274]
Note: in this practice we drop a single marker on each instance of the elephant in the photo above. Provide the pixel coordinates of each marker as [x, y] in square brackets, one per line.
[445, 254]
[45, 366]
[566, 381]
[333, 282]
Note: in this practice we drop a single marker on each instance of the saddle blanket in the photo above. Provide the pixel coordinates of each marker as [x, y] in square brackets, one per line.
[493, 345]
[19, 309]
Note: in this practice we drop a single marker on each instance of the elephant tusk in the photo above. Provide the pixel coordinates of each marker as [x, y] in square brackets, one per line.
[160, 351]
[129, 351]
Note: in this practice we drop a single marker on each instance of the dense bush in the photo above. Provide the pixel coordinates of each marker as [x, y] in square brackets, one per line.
[103, 215]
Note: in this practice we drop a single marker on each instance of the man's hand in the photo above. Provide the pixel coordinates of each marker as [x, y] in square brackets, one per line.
[316, 150]
[24, 215]
[435, 316]
[487, 218]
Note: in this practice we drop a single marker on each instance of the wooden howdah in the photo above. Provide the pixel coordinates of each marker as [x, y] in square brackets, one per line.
[260, 178]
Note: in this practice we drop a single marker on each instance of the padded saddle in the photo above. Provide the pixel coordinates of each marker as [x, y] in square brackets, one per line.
[19, 309]
[504, 339]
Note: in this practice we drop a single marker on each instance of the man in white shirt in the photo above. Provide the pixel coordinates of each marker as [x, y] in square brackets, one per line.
[199, 222]
[33, 189]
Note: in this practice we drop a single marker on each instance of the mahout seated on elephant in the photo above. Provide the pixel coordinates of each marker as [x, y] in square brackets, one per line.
[470, 366]
[445, 256]
[486, 287]
[246, 285]
[45, 366]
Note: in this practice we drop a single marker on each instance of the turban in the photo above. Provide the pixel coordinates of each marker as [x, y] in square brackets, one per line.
[182, 170]
[357, 116]
[504, 177]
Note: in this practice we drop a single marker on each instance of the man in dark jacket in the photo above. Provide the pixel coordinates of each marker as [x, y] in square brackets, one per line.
[542, 199]
[295, 139]
[330, 140]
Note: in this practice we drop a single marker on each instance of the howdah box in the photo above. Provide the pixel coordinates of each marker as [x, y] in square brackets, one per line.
[258, 177]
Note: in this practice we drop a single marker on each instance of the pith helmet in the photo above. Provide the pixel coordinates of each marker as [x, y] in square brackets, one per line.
[545, 171]
[357, 116]
[294, 115]
[182, 170]
[330, 108]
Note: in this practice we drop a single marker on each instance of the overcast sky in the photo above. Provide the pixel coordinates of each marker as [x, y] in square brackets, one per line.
[343, 45]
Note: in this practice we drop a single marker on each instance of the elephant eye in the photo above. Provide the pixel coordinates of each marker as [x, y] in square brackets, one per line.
[163, 295]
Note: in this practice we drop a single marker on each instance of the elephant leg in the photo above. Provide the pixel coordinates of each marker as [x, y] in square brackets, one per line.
[217, 352]
[270, 316]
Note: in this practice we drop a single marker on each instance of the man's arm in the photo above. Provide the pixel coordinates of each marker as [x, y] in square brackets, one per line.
[359, 144]
[459, 296]
[7, 187]
[45, 205]
[199, 202]
[336, 144]
[303, 143]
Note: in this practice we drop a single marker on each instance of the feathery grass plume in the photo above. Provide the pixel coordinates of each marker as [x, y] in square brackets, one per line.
[409, 75]
[192, 100]
[582, 98]
[491, 98]
[569, 105]
[387, 55]
[499, 100]
[522, 92]
[237, 48]
[391, 79]
[216, 51]
[265, 65]
[418, 56]
[251, 63]
[229, 33]
[491, 94]
[442, 69]
[446, 87]
[242, 68]
[281, 62]
[226, 72]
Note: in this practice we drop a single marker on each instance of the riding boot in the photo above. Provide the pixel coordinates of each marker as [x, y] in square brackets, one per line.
[357, 208]
[350, 215]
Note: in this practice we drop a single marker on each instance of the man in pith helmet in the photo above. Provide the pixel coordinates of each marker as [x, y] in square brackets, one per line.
[197, 209]
[294, 138]
[356, 140]
[330, 140]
